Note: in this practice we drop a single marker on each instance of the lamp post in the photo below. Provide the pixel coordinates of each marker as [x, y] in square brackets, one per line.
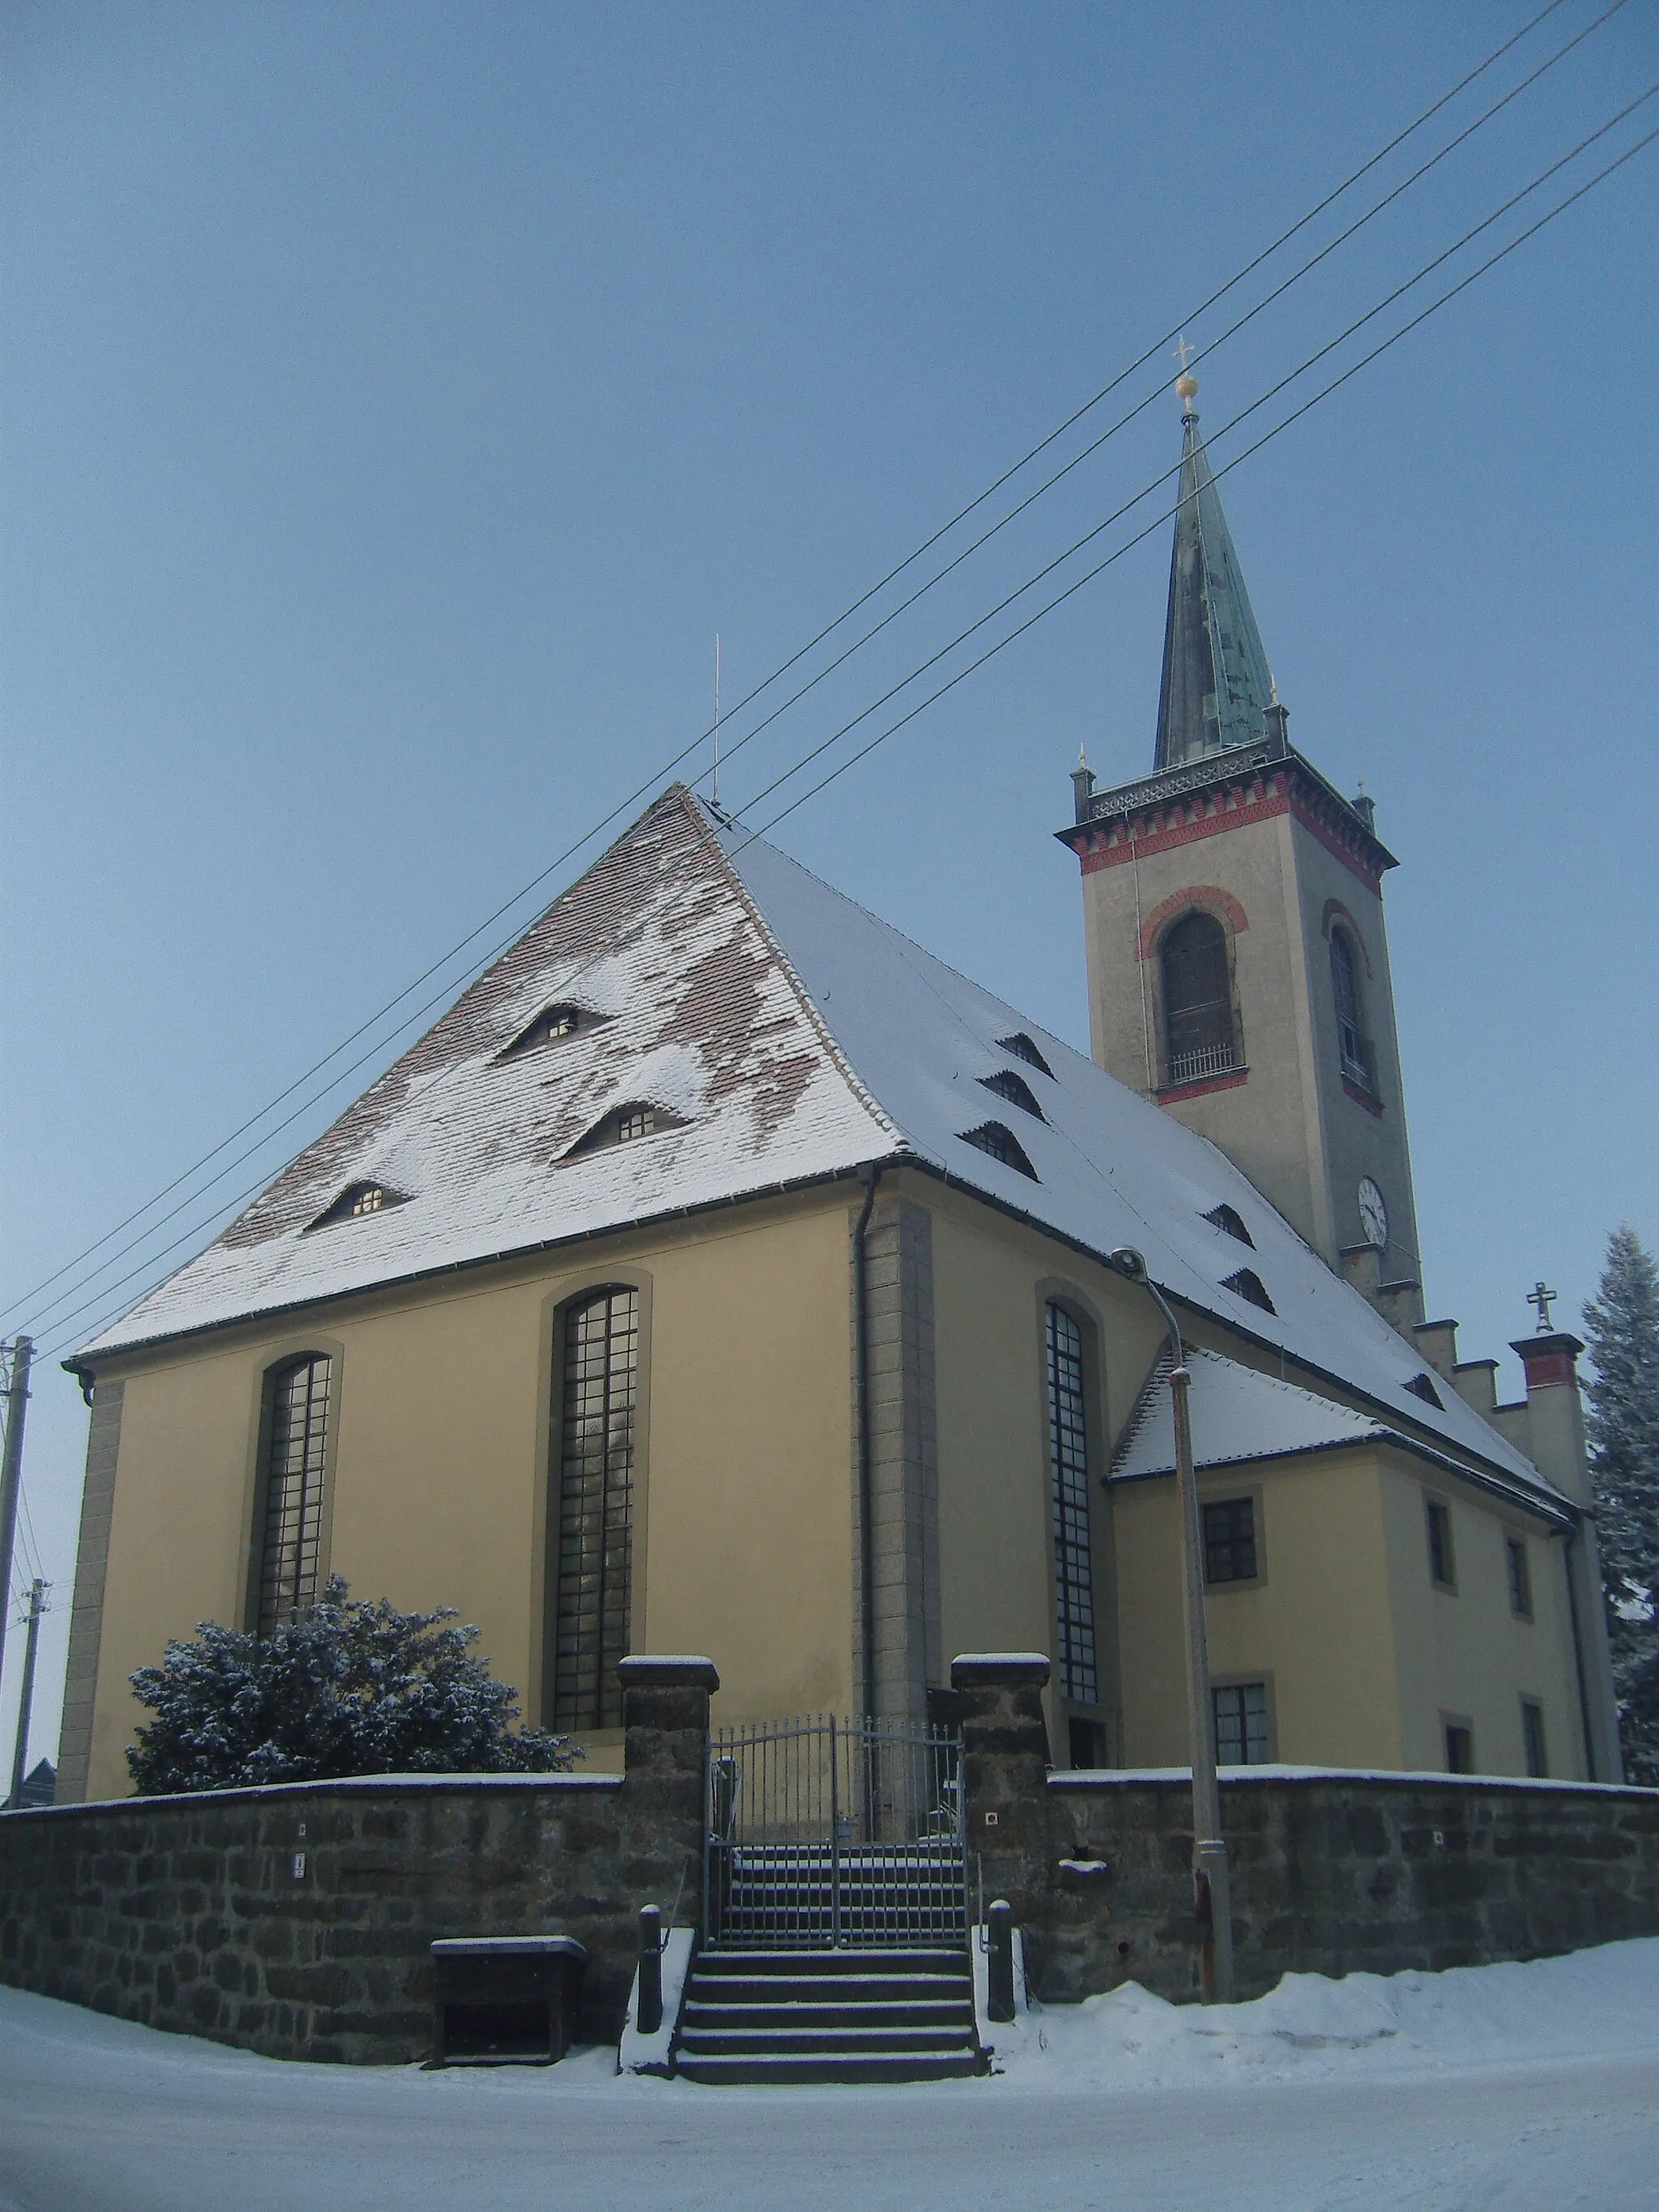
[1211, 1892]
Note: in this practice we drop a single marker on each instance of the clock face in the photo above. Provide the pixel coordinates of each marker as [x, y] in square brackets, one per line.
[1373, 1214]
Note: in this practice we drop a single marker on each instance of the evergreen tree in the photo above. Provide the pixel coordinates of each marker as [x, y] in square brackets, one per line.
[1622, 1324]
[343, 1687]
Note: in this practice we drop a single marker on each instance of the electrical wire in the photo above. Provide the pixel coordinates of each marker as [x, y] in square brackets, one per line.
[1267, 438]
[1272, 393]
[1334, 385]
[640, 791]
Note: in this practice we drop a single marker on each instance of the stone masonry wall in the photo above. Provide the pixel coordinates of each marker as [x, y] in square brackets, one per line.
[1332, 1873]
[295, 1921]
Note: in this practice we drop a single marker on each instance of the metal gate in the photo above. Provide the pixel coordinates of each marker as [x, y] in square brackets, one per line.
[825, 1833]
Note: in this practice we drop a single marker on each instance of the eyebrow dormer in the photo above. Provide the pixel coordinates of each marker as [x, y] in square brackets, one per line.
[357, 1199]
[550, 1026]
[625, 1125]
[1015, 1089]
[1025, 1047]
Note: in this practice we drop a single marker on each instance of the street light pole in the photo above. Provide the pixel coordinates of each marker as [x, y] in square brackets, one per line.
[1212, 1889]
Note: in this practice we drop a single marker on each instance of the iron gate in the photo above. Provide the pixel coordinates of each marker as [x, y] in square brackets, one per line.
[824, 1833]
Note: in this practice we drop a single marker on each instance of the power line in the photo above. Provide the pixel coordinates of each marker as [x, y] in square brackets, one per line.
[188, 1174]
[1130, 414]
[1272, 393]
[1267, 438]
[1020, 630]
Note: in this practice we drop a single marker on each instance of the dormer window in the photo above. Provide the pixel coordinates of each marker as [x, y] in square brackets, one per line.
[550, 1024]
[625, 1125]
[356, 1200]
[1015, 1090]
[1420, 1387]
[1230, 1222]
[1023, 1047]
[1002, 1144]
[1247, 1285]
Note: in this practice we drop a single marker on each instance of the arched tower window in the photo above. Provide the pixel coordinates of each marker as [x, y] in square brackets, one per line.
[290, 1539]
[595, 1507]
[1198, 1039]
[1345, 988]
[1068, 1471]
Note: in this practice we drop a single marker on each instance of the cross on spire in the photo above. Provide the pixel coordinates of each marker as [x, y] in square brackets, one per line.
[1543, 1300]
[1182, 349]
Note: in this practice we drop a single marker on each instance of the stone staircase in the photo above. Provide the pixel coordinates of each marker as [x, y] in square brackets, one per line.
[852, 2014]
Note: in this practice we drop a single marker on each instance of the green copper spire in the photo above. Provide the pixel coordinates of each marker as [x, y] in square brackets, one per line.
[1216, 684]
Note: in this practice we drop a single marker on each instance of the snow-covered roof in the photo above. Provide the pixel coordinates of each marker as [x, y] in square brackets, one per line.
[789, 1035]
[1238, 1413]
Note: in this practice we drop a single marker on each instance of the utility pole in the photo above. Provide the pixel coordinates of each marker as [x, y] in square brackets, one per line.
[1211, 1884]
[26, 1695]
[11, 1470]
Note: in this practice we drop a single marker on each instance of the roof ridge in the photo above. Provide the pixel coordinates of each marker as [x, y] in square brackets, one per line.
[705, 821]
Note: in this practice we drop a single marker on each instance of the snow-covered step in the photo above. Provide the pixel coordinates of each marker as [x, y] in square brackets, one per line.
[848, 2014]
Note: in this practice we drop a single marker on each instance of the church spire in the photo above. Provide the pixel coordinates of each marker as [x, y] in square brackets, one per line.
[1216, 686]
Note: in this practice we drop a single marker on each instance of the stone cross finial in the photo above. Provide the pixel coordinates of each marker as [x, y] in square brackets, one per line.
[1543, 1300]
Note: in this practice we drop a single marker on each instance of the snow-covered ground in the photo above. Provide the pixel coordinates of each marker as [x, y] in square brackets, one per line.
[1533, 2088]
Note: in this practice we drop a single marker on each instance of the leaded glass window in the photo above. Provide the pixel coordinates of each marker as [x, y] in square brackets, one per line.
[1068, 1467]
[595, 1507]
[291, 1538]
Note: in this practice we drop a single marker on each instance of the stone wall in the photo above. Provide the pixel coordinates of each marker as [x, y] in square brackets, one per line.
[1332, 1873]
[295, 1921]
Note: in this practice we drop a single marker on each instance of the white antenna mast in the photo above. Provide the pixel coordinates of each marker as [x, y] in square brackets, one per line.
[717, 718]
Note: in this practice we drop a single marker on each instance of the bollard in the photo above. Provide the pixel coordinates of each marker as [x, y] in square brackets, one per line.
[647, 2014]
[1000, 1966]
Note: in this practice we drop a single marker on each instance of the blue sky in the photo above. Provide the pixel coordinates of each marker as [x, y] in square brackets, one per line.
[398, 399]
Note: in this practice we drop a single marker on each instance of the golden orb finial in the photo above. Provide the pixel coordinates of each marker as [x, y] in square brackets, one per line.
[1186, 387]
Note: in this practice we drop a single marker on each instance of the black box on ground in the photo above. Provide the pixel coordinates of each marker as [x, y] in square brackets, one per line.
[504, 2000]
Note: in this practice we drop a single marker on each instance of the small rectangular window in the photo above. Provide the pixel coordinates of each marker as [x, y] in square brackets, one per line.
[1241, 1725]
[1514, 1553]
[1532, 1736]
[1442, 1566]
[1230, 1540]
[1460, 1747]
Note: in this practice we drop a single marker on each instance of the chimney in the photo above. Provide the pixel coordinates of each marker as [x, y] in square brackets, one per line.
[1365, 807]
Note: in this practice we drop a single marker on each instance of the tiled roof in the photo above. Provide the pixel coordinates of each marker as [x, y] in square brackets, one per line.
[793, 1036]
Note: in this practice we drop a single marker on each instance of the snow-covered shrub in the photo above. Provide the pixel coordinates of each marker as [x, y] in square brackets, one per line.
[346, 1687]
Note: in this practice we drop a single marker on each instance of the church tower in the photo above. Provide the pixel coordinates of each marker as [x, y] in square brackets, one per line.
[1237, 961]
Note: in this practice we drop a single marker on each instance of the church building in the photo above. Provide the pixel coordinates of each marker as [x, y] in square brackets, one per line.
[724, 1272]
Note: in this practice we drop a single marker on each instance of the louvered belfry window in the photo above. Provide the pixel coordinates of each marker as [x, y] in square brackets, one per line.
[1198, 1000]
[1068, 1467]
[292, 1536]
[596, 1508]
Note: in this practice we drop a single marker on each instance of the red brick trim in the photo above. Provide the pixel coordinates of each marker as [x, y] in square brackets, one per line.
[1335, 911]
[1207, 895]
[1172, 1091]
[1334, 844]
[1548, 1370]
[1362, 1098]
[1186, 826]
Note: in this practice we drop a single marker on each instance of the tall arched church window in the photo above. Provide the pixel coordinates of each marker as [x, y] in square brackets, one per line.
[1198, 1000]
[1351, 1040]
[290, 1539]
[1068, 1471]
[595, 1507]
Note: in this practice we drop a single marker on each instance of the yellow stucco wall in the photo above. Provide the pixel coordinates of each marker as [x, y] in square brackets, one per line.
[1363, 1657]
[743, 1528]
